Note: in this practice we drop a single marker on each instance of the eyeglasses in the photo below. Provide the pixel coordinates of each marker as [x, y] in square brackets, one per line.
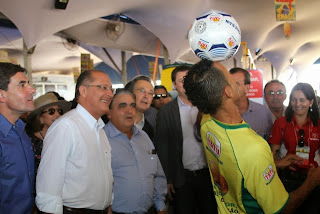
[272, 93]
[158, 96]
[102, 87]
[301, 140]
[142, 90]
[51, 111]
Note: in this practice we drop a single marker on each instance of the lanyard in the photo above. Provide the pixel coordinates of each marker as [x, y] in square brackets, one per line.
[296, 131]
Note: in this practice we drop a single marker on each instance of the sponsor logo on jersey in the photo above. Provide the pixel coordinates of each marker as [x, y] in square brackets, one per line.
[315, 136]
[269, 173]
[214, 144]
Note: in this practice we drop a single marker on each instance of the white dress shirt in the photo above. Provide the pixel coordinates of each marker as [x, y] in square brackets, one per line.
[75, 168]
[193, 157]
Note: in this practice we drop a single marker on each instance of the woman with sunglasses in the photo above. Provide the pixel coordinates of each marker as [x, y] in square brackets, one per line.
[47, 109]
[299, 133]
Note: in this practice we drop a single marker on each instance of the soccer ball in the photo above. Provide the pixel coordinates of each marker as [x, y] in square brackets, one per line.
[215, 36]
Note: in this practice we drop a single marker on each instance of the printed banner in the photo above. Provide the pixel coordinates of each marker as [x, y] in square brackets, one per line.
[256, 87]
[285, 10]
[85, 62]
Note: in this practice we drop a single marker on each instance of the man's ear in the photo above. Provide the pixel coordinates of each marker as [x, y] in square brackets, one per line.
[83, 91]
[228, 91]
[3, 96]
[247, 88]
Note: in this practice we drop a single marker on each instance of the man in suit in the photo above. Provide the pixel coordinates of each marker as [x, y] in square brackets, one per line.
[181, 155]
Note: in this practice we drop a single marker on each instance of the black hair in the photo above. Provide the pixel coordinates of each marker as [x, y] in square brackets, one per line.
[8, 70]
[204, 85]
[308, 92]
[180, 68]
[246, 74]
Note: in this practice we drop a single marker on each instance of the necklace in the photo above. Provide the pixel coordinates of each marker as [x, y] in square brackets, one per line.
[41, 135]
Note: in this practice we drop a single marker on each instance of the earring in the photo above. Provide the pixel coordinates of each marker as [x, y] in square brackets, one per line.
[310, 108]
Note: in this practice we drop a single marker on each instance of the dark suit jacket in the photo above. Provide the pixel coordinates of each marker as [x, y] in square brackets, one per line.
[148, 129]
[169, 142]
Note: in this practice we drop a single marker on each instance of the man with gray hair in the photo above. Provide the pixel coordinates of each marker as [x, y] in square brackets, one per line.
[274, 95]
[139, 180]
[142, 88]
[241, 164]
[75, 173]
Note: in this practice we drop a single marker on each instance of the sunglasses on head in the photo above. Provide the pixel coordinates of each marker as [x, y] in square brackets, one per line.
[301, 140]
[158, 96]
[51, 111]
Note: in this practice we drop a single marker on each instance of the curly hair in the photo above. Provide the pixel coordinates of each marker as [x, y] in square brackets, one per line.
[204, 85]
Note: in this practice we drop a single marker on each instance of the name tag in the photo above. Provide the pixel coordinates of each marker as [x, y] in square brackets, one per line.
[303, 152]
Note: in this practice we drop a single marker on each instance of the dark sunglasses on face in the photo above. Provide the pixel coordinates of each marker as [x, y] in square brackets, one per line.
[301, 140]
[51, 111]
[158, 96]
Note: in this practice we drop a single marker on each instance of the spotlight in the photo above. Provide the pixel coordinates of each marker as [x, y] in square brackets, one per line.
[61, 4]
[258, 50]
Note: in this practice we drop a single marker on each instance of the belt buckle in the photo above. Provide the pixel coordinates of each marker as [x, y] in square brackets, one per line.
[195, 172]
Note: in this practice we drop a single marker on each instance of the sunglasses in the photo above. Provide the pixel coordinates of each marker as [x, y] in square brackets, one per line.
[51, 111]
[158, 96]
[301, 140]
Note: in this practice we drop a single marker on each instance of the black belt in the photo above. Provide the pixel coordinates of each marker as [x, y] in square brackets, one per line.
[200, 172]
[84, 210]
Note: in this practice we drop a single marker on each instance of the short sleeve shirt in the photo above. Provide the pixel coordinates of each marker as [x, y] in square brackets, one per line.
[287, 132]
[242, 169]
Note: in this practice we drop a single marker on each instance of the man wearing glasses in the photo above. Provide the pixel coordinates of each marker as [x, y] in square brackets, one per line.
[241, 163]
[274, 95]
[142, 88]
[75, 173]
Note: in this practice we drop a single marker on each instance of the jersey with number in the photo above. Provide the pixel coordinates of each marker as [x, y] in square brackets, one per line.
[242, 169]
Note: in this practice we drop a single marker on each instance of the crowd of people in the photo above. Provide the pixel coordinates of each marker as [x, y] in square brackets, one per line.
[136, 150]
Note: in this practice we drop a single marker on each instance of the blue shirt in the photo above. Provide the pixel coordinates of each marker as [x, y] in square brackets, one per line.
[16, 168]
[139, 180]
[259, 118]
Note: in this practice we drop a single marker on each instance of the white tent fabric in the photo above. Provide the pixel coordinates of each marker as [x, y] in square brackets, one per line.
[169, 20]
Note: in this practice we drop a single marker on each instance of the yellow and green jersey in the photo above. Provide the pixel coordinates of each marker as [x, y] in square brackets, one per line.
[242, 169]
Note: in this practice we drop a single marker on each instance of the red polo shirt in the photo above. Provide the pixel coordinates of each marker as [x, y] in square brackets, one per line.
[288, 133]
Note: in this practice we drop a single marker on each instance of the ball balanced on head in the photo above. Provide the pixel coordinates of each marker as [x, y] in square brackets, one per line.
[215, 35]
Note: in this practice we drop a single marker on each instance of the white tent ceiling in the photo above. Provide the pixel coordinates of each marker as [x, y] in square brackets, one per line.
[168, 20]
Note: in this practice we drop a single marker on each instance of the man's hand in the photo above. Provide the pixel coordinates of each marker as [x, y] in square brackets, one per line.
[313, 175]
[162, 212]
[170, 191]
[289, 160]
[109, 210]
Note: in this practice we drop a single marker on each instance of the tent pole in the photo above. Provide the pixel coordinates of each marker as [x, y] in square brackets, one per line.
[27, 57]
[124, 68]
[166, 55]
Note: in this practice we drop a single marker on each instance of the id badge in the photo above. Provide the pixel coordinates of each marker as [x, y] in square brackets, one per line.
[303, 152]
